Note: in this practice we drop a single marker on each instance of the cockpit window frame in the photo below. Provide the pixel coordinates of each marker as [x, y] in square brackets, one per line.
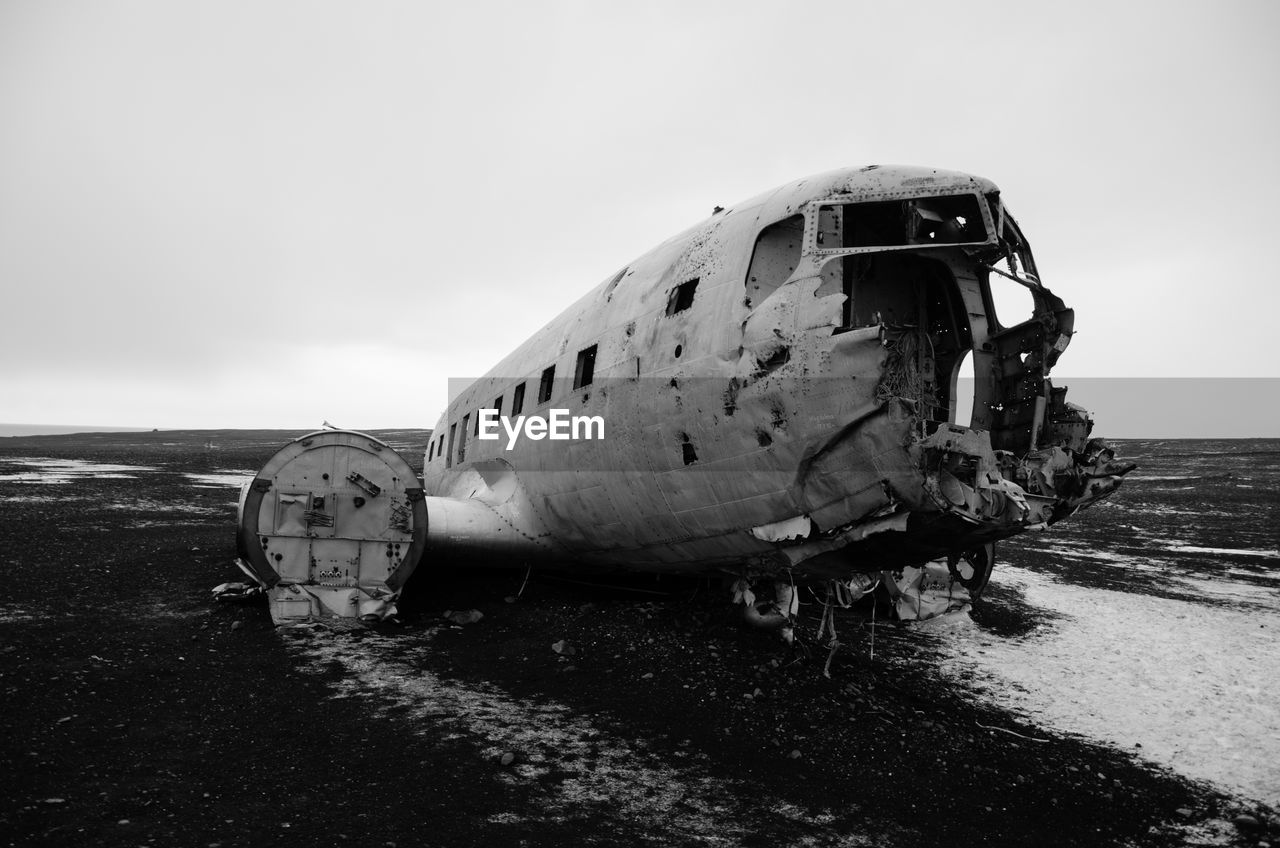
[811, 222]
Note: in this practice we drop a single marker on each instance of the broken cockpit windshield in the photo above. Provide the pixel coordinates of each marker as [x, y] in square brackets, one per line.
[886, 224]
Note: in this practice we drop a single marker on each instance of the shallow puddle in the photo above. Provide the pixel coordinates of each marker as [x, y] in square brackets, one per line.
[56, 471]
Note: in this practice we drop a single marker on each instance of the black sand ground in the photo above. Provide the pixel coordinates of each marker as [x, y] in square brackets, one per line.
[137, 711]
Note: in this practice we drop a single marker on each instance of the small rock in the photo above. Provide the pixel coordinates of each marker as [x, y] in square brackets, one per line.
[1185, 812]
[795, 754]
[646, 676]
[55, 800]
[123, 821]
[757, 693]
[1244, 821]
[564, 648]
[510, 599]
[236, 625]
[470, 616]
[507, 759]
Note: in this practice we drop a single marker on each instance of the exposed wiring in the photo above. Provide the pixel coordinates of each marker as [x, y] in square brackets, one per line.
[903, 378]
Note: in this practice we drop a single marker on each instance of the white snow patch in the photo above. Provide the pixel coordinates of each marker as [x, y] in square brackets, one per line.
[152, 505]
[14, 615]
[1254, 575]
[49, 499]
[1215, 586]
[228, 478]
[609, 776]
[1067, 550]
[1194, 684]
[56, 471]
[1193, 549]
[1159, 509]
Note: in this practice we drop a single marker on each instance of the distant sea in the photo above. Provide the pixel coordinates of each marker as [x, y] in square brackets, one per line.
[61, 429]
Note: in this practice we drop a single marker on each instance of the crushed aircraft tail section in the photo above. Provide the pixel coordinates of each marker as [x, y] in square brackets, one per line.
[332, 527]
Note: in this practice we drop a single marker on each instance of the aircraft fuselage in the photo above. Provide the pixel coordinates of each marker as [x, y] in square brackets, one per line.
[778, 392]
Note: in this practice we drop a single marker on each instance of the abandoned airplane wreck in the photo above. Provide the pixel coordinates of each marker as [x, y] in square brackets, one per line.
[777, 393]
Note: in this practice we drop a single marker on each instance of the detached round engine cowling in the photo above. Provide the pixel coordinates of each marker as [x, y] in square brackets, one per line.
[332, 526]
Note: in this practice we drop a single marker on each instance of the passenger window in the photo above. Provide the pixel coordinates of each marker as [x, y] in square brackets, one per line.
[517, 400]
[544, 387]
[586, 368]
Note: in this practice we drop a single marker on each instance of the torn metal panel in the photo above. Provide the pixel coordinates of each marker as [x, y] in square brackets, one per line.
[926, 591]
[292, 603]
[236, 592]
[788, 529]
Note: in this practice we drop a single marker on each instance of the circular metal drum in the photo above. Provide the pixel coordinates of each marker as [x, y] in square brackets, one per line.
[332, 526]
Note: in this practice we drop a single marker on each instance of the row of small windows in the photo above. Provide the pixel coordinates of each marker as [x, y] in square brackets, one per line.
[583, 375]
[679, 299]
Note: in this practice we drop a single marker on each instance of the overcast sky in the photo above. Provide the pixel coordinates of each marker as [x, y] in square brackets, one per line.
[268, 214]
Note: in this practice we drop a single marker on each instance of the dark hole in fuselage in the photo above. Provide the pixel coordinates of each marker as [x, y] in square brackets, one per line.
[775, 361]
[681, 297]
[731, 397]
[690, 455]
